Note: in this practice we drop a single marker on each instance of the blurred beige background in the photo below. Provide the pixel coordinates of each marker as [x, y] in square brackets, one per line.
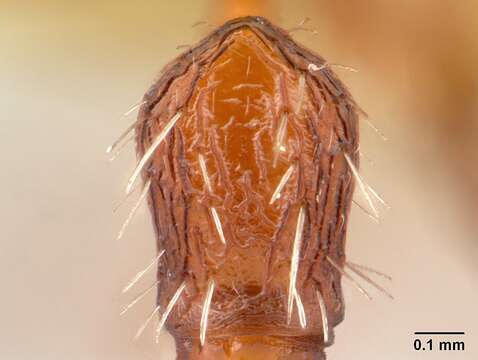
[68, 70]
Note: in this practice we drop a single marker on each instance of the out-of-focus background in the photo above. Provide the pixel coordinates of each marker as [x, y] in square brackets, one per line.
[69, 69]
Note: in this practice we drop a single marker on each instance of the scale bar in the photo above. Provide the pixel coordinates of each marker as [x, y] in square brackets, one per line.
[439, 333]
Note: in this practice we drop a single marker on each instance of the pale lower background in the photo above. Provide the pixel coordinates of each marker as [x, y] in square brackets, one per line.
[69, 69]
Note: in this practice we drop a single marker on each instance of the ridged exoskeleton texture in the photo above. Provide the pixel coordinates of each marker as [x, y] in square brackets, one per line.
[251, 175]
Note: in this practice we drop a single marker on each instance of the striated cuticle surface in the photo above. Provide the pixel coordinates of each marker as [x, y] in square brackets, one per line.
[250, 189]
